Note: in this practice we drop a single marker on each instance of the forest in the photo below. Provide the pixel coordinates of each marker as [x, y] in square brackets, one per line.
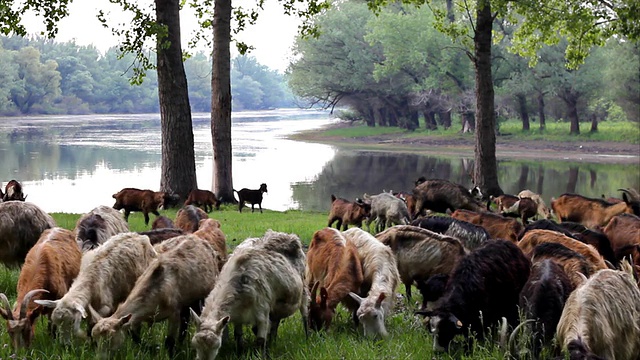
[41, 76]
[395, 68]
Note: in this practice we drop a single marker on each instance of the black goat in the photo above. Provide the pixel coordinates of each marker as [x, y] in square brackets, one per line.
[469, 234]
[251, 196]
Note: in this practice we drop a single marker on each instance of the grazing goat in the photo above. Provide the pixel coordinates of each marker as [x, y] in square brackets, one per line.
[162, 222]
[497, 226]
[536, 237]
[483, 288]
[204, 198]
[188, 218]
[597, 239]
[251, 196]
[21, 225]
[542, 209]
[542, 299]
[156, 236]
[333, 266]
[347, 213]
[97, 226]
[379, 283]
[601, 318]
[504, 201]
[572, 262]
[470, 235]
[409, 200]
[48, 271]
[146, 201]
[442, 195]
[524, 208]
[107, 275]
[623, 232]
[386, 210]
[591, 212]
[173, 281]
[258, 286]
[421, 253]
[13, 192]
[545, 224]
[209, 231]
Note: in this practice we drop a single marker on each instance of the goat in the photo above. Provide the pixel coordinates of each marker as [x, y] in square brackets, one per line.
[257, 287]
[188, 218]
[504, 201]
[591, 212]
[21, 225]
[572, 262]
[13, 192]
[542, 209]
[176, 279]
[602, 318]
[146, 201]
[157, 236]
[379, 282]
[409, 200]
[536, 237]
[524, 208]
[597, 239]
[204, 198]
[333, 266]
[347, 213]
[209, 231]
[97, 226]
[442, 195]
[107, 275]
[545, 224]
[623, 231]
[542, 299]
[162, 222]
[497, 226]
[483, 288]
[421, 253]
[386, 210]
[251, 196]
[470, 235]
[48, 271]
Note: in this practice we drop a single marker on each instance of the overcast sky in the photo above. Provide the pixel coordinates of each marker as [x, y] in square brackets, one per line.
[272, 36]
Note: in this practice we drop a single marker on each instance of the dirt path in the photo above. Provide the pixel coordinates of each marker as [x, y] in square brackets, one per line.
[588, 151]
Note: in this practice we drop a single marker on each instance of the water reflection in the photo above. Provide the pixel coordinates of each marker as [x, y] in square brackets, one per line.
[74, 163]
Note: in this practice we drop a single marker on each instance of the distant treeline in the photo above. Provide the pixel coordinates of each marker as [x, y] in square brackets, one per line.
[39, 76]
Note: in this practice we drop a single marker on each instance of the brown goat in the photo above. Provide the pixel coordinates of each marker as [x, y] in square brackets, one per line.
[410, 200]
[204, 198]
[333, 266]
[525, 208]
[534, 238]
[48, 271]
[442, 195]
[146, 201]
[188, 218]
[156, 236]
[572, 262]
[497, 226]
[162, 222]
[13, 192]
[504, 201]
[209, 231]
[251, 196]
[591, 212]
[623, 232]
[347, 213]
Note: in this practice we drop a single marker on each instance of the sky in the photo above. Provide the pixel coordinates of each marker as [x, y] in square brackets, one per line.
[272, 36]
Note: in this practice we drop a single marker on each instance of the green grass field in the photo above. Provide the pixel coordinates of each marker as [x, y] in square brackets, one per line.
[408, 338]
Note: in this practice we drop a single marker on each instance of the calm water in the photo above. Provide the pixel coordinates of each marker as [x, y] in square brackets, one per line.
[74, 163]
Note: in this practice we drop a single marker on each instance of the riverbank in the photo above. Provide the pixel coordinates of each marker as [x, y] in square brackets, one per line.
[507, 147]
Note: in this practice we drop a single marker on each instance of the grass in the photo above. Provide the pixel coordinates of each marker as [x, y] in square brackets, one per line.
[408, 338]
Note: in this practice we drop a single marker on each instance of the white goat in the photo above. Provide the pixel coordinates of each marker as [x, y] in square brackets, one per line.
[386, 210]
[380, 281]
[257, 286]
[107, 275]
[178, 278]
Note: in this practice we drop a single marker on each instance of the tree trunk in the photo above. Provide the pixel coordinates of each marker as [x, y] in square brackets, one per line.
[543, 120]
[594, 123]
[178, 174]
[468, 122]
[445, 119]
[524, 114]
[370, 118]
[451, 17]
[540, 182]
[572, 113]
[378, 116]
[221, 102]
[524, 176]
[485, 173]
[430, 120]
[573, 179]
[413, 120]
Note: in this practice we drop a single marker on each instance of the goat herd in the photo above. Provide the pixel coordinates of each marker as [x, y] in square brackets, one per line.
[574, 280]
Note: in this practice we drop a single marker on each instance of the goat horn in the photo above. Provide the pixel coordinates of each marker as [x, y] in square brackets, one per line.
[632, 193]
[6, 305]
[27, 300]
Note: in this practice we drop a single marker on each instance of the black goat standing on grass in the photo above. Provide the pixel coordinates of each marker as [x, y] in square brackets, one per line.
[251, 196]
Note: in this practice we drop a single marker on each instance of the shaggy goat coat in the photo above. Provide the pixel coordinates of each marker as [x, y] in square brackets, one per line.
[97, 226]
[21, 224]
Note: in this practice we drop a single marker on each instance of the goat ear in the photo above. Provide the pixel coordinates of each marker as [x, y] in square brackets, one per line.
[195, 318]
[81, 309]
[124, 320]
[221, 324]
[455, 321]
[355, 297]
[380, 300]
[47, 303]
[583, 278]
